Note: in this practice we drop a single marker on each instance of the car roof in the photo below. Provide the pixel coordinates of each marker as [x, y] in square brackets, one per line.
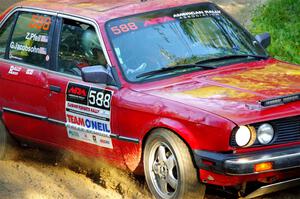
[104, 10]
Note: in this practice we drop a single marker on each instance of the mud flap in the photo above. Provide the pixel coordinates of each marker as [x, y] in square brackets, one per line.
[3, 140]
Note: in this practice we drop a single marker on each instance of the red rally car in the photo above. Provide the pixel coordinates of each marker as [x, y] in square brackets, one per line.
[174, 89]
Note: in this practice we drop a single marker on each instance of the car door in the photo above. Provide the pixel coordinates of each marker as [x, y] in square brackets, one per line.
[82, 113]
[23, 69]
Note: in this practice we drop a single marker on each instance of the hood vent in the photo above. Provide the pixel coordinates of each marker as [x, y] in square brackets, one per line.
[280, 100]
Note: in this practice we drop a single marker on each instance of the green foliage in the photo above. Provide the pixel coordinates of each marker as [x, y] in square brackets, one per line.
[281, 18]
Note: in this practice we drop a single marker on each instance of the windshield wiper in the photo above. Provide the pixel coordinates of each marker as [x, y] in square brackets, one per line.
[199, 64]
[172, 68]
[231, 57]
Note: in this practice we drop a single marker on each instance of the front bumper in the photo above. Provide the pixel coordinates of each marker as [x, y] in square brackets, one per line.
[243, 164]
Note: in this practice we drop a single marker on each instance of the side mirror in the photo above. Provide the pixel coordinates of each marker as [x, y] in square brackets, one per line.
[264, 39]
[97, 74]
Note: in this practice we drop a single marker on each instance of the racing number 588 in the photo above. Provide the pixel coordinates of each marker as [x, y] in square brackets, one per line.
[124, 28]
[40, 22]
[99, 99]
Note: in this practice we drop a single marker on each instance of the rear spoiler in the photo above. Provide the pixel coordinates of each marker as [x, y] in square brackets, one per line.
[280, 100]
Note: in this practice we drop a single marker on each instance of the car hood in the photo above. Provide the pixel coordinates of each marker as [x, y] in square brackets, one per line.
[234, 92]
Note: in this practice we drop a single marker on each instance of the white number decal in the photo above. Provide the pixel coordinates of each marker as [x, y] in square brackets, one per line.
[92, 97]
[107, 100]
[99, 99]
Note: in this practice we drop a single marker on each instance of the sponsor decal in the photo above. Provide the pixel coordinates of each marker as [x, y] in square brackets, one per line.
[134, 25]
[73, 134]
[88, 112]
[47, 58]
[94, 138]
[90, 138]
[75, 90]
[83, 108]
[14, 70]
[88, 123]
[77, 94]
[14, 57]
[197, 14]
[29, 72]
[158, 20]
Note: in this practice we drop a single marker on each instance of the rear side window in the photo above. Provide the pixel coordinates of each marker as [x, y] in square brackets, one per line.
[4, 35]
[30, 38]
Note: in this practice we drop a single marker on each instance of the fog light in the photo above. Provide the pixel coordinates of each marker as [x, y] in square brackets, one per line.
[265, 166]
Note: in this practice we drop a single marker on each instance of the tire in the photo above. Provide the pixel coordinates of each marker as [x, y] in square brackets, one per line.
[4, 141]
[169, 169]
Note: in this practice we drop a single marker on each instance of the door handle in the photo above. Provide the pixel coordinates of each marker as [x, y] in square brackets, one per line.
[56, 89]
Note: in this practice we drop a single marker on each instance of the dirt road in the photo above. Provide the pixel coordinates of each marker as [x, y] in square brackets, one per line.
[36, 174]
[39, 174]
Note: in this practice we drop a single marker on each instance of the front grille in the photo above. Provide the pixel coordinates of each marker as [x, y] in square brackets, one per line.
[286, 130]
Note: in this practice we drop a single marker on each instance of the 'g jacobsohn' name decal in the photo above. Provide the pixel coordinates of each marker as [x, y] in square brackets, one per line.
[33, 49]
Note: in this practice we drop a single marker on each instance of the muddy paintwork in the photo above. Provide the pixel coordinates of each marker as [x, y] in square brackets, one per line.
[235, 92]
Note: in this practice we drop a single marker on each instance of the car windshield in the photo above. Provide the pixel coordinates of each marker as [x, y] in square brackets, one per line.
[186, 35]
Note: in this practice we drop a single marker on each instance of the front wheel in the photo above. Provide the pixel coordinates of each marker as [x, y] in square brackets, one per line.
[168, 166]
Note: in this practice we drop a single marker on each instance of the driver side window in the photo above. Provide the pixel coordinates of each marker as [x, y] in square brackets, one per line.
[79, 47]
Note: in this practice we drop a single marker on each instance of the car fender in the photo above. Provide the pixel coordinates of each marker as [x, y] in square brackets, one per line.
[133, 153]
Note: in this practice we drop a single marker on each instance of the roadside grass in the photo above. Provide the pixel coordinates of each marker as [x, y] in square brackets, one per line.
[281, 18]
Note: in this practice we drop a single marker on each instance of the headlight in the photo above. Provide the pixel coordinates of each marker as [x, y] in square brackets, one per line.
[245, 136]
[265, 133]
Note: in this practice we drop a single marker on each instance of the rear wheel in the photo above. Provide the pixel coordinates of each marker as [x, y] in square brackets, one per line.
[168, 166]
